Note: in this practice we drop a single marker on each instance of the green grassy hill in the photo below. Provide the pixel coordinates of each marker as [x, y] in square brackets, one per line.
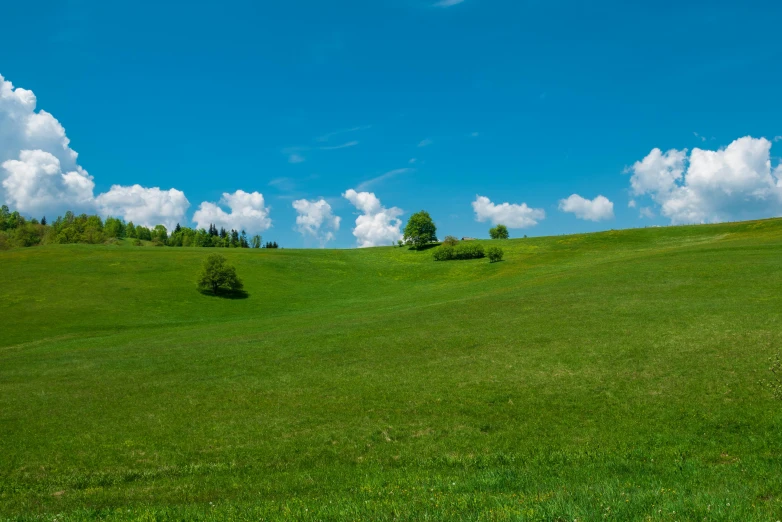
[591, 377]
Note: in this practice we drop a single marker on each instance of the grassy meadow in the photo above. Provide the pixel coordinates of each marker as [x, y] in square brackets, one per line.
[607, 376]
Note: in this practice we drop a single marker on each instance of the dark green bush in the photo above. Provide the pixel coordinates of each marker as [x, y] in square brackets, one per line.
[495, 254]
[443, 253]
[460, 251]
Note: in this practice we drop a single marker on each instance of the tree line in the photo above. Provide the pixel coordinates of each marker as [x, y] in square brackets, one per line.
[17, 231]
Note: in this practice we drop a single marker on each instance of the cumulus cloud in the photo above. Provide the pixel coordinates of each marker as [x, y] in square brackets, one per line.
[39, 172]
[316, 220]
[376, 225]
[510, 215]
[735, 182]
[597, 209]
[631, 203]
[36, 183]
[248, 212]
[144, 206]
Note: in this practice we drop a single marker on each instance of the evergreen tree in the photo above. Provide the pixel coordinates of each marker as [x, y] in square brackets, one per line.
[43, 221]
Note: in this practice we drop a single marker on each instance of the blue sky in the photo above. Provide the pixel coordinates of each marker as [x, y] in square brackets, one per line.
[518, 102]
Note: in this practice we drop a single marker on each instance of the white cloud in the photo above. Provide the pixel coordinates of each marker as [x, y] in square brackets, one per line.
[735, 182]
[248, 212]
[448, 3]
[647, 213]
[39, 170]
[510, 215]
[376, 225]
[425, 143]
[631, 203]
[316, 220]
[35, 183]
[144, 206]
[597, 209]
[296, 158]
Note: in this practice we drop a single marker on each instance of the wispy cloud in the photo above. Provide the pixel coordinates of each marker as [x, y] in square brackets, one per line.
[448, 3]
[296, 158]
[388, 175]
[702, 138]
[425, 143]
[343, 146]
[327, 137]
[284, 184]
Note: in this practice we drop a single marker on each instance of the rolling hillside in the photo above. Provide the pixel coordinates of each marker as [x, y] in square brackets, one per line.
[597, 376]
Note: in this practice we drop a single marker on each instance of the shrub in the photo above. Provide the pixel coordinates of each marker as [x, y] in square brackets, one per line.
[443, 253]
[460, 251]
[470, 251]
[450, 241]
[495, 254]
[136, 242]
[218, 275]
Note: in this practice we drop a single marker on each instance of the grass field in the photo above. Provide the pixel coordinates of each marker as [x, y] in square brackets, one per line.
[609, 376]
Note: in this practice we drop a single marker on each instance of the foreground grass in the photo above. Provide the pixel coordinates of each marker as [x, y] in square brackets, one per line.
[599, 376]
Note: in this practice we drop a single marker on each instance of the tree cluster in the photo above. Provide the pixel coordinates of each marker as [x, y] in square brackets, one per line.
[16, 231]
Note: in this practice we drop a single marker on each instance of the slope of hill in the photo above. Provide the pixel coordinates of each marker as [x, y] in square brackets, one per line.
[610, 375]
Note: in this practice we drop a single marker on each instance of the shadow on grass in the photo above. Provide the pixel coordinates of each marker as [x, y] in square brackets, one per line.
[226, 294]
[425, 247]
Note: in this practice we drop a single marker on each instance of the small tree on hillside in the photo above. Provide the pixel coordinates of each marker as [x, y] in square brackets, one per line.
[499, 232]
[217, 275]
[450, 241]
[495, 254]
[420, 230]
